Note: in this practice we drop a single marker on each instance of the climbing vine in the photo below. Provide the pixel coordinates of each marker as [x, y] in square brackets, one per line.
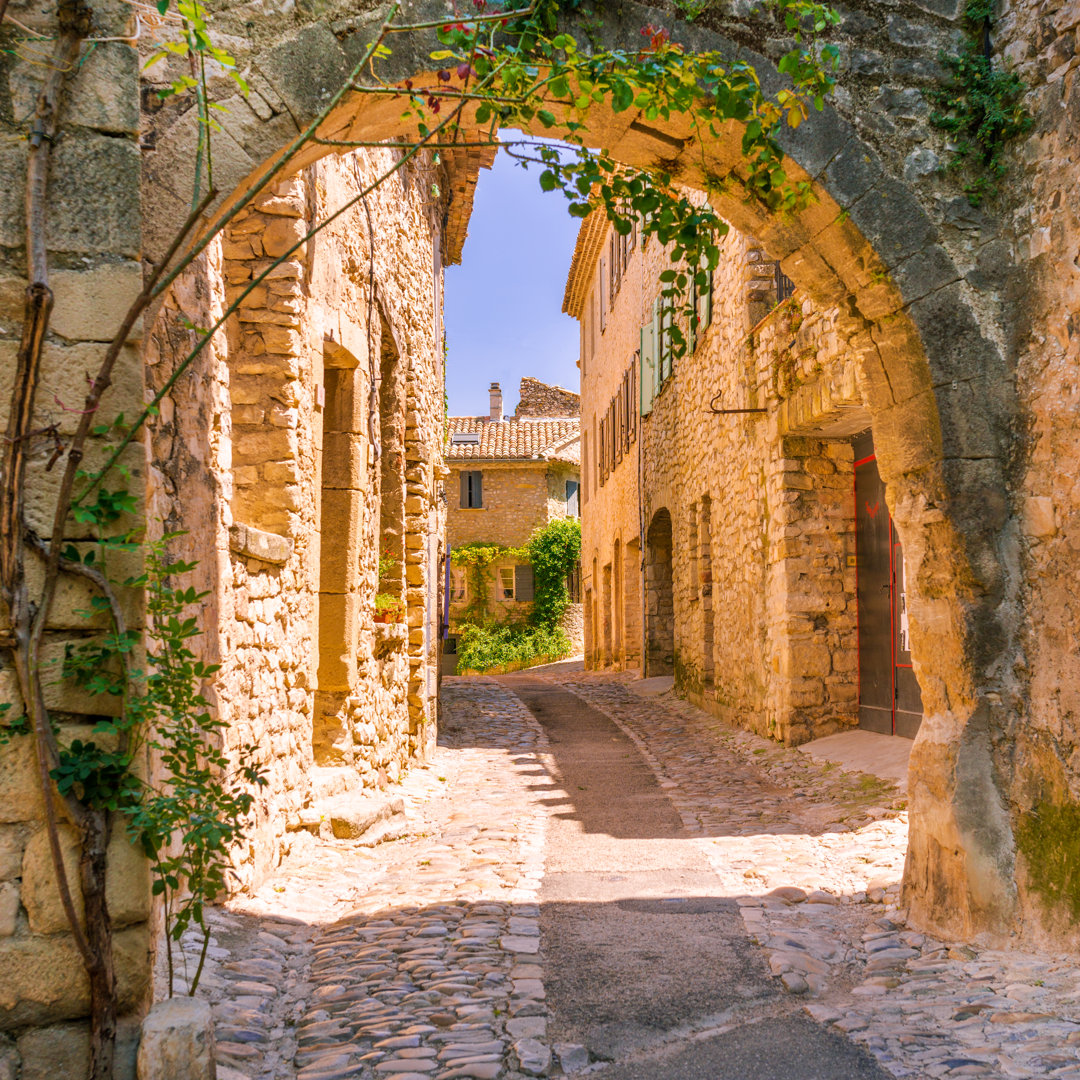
[554, 550]
[477, 557]
[983, 109]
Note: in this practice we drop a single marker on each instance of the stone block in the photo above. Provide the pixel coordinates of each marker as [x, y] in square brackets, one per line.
[91, 304]
[127, 892]
[54, 1051]
[351, 815]
[20, 798]
[281, 234]
[9, 908]
[11, 849]
[1038, 516]
[254, 445]
[104, 218]
[104, 95]
[257, 544]
[178, 1041]
[64, 380]
[306, 70]
[42, 979]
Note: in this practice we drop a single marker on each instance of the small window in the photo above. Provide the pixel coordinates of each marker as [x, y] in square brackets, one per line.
[472, 490]
[465, 438]
[506, 583]
[458, 586]
[572, 502]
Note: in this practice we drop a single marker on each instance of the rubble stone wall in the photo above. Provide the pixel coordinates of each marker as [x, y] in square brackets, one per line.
[304, 462]
[540, 399]
[762, 520]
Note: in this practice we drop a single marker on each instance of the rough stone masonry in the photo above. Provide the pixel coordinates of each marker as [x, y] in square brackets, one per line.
[963, 323]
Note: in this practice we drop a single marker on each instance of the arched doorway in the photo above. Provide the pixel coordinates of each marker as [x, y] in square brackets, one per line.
[933, 379]
[659, 598]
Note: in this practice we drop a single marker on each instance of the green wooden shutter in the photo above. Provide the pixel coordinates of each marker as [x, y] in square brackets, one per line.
[704, 305]
[464, 500]
[647, 382]
[663, 336]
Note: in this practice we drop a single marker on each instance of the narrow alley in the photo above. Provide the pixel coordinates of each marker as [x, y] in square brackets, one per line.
[588, 878]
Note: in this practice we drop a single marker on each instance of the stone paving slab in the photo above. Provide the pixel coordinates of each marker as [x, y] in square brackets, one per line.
[411, 959]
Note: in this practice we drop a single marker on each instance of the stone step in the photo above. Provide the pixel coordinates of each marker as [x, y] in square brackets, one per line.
[353, 814]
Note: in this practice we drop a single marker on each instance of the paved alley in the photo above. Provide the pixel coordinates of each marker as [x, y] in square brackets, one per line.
[594, 880]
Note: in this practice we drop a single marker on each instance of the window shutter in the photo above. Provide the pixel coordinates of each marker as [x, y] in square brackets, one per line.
[619, 427]
[478, 489]
[663, 334]
[602, 290]
[572, 499]
[704, 305]
[524, 583]
[464, 501]
[647, 384]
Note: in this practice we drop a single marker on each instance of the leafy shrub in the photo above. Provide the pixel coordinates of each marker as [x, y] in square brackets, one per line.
[554, 550]
[502, 645]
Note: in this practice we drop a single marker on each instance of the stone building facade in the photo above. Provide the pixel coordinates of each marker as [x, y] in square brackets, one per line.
[509, 475]
[324, 407]
[718, 547]
[306, 438]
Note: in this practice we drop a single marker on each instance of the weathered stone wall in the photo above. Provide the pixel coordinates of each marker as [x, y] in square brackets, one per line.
[540, 399]
[304, 465]
[1022, 253]
[94, 242]
[762, 628]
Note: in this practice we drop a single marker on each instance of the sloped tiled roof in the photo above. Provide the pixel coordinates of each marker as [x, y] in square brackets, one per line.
[512, 439]
[590, 242]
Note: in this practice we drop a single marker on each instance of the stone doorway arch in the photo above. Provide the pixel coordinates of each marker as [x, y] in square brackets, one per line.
[935, 382]
[659, 597]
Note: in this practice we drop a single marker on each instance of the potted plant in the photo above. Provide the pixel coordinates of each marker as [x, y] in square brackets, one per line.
[389, 608]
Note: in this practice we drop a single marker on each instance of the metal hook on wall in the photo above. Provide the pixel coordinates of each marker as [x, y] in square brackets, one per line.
[728, 412]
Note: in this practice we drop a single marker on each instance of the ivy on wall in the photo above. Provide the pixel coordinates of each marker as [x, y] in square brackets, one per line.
[554, 550]
[982, 110]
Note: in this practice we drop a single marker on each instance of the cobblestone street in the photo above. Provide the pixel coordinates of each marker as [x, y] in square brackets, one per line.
[594, 879]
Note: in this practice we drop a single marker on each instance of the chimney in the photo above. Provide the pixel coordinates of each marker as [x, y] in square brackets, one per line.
[495, 394]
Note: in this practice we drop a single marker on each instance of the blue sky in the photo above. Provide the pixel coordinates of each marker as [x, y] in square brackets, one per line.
[504, 303]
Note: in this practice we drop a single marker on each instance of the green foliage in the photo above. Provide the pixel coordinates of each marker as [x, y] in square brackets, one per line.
[388, 602]
[482, 647]
[981, 111]
[190, 818]
[554, 550]
[528, 73]
[477, 556]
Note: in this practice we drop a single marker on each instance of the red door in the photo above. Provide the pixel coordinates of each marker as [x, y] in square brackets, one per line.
[889, 698]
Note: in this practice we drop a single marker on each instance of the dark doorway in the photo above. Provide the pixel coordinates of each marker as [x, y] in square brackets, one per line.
[889, 697]
[659, 598]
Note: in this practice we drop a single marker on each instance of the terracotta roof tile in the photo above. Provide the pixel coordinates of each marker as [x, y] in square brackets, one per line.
[512, 439]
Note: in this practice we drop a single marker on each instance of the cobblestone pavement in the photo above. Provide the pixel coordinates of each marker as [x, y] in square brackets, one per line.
[418, 958]
[815, 857]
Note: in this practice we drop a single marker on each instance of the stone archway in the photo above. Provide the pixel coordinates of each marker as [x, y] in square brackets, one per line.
[659, 597]
[935, 382]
